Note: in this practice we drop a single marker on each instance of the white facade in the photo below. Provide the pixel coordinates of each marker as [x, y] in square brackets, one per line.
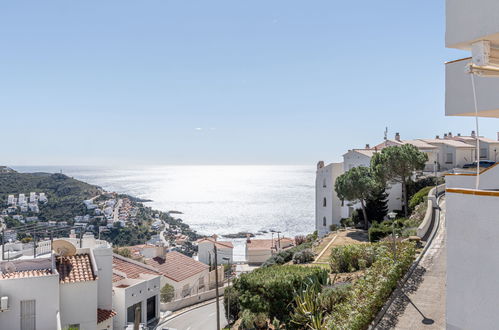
[142, 292]
[472, 214]
[328, 209]
[43, 291]
[206, 251]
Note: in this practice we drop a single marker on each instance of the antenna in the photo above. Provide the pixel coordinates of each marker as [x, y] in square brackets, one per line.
[8, 267]
[63, 248]
[386, 133]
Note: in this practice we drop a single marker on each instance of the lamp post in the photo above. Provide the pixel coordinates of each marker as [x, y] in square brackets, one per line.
[392, 216]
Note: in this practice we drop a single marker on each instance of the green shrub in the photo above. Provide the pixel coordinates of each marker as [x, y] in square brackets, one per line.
[346, 222]
[167, 293]
[370, 292]
[419, 197]
[351, 258]
[271, 290]
[286, 255]
[333, 227]
[332, 296]
[231, 300]
[303, 257]
[378, 231]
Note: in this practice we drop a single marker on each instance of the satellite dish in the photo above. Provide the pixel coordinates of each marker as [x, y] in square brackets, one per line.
[63, 248]
[8, 267]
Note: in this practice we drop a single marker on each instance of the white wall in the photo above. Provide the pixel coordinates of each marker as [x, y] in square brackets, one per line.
[459, 93]
[489, 179]
[192, 281]
[104, 262]
[139, 290]
[205, 249]
[43, 289]
[468, 20]
[324, 188]
[472, 261]
[78, 304]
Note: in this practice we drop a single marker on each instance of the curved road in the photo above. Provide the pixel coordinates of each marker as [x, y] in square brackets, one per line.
[202, 318]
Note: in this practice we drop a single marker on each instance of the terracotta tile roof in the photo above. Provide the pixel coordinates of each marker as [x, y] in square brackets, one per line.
[449, 142]
[177, 266]
[77, 268]
[117, 277]
[420, 144]
[26, 273]
[131, 268]
[104, 314]
[220, 244]
[267, 244]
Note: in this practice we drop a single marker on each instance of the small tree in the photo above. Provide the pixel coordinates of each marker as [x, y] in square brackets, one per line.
[398, 164]
[124, 252]
[167, 293]
[356, 185]
[377, 205]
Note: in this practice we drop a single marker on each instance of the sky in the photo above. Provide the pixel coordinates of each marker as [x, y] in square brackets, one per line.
[218, 82]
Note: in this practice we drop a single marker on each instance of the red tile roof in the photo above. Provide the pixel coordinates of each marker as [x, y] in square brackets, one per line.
[26, 273]
[131, 268]
[117, 277]
[104, 314]
[77, 268]
[177, 266]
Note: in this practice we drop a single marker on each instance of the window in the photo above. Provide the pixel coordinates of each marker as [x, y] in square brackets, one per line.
[448, 158]
[324, 183]
[324, 202]
[186, 291]
[483, 153]
[28, 314]
[151, 308]
[324, 221]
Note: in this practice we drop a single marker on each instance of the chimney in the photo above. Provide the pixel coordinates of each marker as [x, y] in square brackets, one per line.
[450, 135]
[368, 147]
[161, 251]
[397, 137]
[445, 135]
[473, 134]
[437, 137]
[248, 239]
[214, 237]
[497, 136]
[458, 134]
[320, 164]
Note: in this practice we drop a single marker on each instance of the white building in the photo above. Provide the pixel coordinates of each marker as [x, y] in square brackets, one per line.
[452, 153]
[328, 208]
[206, 247]
[42, 198]
[59, 292]
[186, 275]
[472, 201]
[136, 289]
[11, 200]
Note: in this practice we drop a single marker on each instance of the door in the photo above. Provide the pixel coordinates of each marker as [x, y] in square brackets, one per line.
[151, 308]
[28, 314]
[133, 313]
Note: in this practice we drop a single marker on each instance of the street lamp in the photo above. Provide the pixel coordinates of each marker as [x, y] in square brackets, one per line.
[392, 216]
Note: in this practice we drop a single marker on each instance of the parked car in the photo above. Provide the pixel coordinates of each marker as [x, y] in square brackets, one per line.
[483, 163]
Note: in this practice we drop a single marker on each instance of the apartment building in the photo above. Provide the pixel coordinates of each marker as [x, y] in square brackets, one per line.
[472, 199]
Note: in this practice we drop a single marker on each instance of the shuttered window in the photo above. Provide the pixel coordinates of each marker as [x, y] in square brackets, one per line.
[28, 314]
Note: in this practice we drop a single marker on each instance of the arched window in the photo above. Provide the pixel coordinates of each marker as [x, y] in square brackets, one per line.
[324, 183]
[324, 202]
[324, 221]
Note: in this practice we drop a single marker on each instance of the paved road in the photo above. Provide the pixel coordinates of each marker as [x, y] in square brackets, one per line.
[202, 318]
[426, 289]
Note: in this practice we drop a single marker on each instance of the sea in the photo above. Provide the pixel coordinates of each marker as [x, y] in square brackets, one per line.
[217, 200]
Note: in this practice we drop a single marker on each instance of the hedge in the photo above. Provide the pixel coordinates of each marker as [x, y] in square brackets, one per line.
[286, 255]
[369, 293]
[271, 290]
[419, 197]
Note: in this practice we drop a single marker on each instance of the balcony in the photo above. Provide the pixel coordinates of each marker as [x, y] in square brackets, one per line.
[468, 21]
[459, 92]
